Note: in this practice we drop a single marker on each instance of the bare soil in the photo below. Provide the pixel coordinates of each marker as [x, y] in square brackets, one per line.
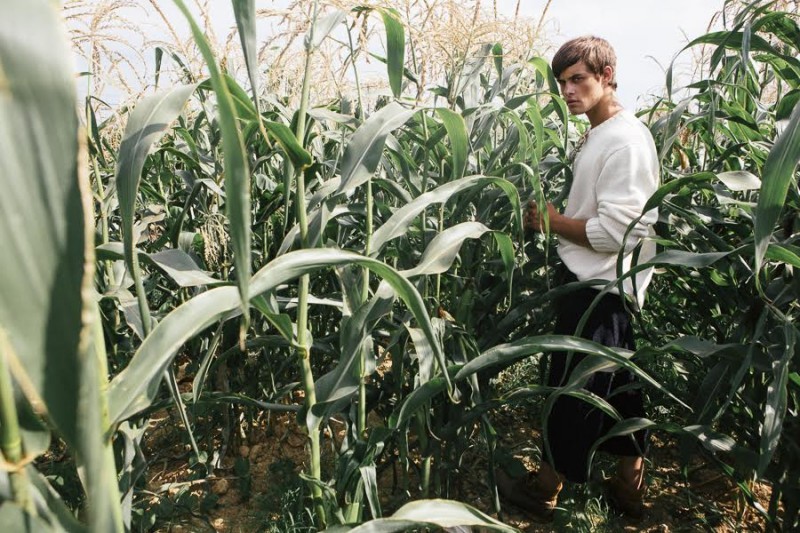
[697, 498]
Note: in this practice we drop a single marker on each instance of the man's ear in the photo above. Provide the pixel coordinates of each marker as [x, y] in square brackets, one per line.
[608, 74]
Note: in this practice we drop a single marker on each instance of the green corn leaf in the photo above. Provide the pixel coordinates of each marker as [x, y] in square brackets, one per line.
[737, 40]
[322, 28]
[621, 429]
[688, 259]
[395, 48]
[542, 66]
[205, 364]
[35, 434]
[300, 158]
[419, 398]
[534, 112]
[146, 125]
[447, 513]
[506, 246]
[42, 209]
[379, 525]
[675, 185]
[442, 250]
[51, 513]
[779, 170]
[740, 180]
[497, 55]
[784, 254]
[365, 148]
[282, 322]
[15, 518]
[245, 13]
[782, 25]
[242, 102]
[133, 389]
[506, 354]
[47, 310]
[787, 104]
[175, 263]
[370, 479]
[399, 222]
[711, 439]
[671, 129]
[237, 173]
[59, 516]
[711, 389]
[777, 401]
[428, 514]
[459, 140]
[343, 380]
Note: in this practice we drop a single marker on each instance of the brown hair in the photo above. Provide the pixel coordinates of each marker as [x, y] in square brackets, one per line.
[595, 52]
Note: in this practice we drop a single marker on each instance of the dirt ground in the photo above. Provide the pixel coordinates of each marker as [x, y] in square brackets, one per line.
[698, 499]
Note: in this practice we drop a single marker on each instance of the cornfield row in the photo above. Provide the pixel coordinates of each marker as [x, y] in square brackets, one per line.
[289, 253]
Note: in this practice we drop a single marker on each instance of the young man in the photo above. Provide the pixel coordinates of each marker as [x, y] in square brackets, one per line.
[615, 171]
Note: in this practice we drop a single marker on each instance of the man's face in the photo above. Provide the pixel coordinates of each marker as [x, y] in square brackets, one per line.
[581, 89]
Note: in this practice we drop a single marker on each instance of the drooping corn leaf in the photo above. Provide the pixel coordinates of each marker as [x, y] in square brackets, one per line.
[687, 259]
[300, 158]
[322, 28]
[369, 476]
[447, 513]
[428, 514]
[599, 355]
[176, 264]
[420, 397]
[739, 180]
[134, 388]
[399, 222]
[621, 429]
[737, 40]
[442, 250]
[365, 147]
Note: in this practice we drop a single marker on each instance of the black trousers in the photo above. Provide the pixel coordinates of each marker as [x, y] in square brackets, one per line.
[574, 425]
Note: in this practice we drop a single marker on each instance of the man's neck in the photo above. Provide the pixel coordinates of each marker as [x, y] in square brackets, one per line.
[604, 109]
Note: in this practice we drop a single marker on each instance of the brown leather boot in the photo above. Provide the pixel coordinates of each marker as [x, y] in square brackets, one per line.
[624, 498]
[528, 494]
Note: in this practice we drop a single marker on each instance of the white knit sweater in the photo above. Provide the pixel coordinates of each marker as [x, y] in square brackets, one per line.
[614, 174]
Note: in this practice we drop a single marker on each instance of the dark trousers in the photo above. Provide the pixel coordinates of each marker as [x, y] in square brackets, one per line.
[574, 425]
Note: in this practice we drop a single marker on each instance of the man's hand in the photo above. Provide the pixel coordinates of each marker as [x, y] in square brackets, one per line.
[534, 220]
[569, 228]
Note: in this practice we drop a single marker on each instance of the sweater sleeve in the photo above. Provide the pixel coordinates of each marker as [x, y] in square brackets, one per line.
[627, 180]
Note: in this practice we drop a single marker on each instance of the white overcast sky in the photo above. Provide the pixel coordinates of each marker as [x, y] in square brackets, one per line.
[646, 34]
